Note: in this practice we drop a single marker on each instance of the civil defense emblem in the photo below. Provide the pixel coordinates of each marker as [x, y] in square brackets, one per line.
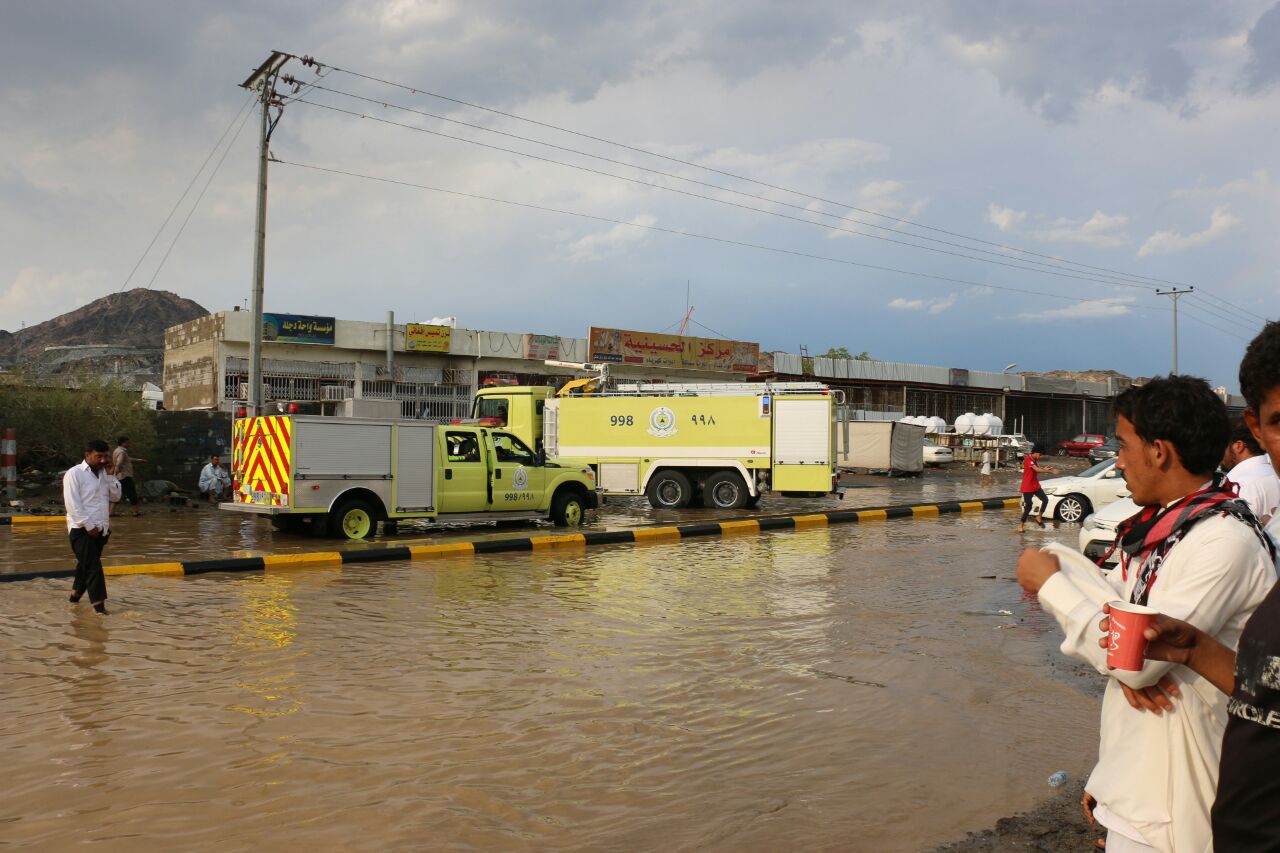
[519, 478]
[662, 422]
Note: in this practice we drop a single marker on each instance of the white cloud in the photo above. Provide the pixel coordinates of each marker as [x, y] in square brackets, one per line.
[594, 247]
[1221, 221]
[933, 306]
[1258, 183]
[39, 293]
[1093, 309]
[883, 196]
[1005, 218]
[1102, 230]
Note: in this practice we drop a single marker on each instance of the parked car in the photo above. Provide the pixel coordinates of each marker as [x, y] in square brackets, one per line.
[1098, 532]
[936, 454]
[1109, 449]
[499, 380]
[1073, 498]
[1080, 445]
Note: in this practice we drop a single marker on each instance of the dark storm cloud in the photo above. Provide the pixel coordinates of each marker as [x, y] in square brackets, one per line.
[1263, 68]
[1055, 55]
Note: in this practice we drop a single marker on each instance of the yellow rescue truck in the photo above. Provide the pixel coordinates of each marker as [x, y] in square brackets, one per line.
[721, 445]
[341, 476]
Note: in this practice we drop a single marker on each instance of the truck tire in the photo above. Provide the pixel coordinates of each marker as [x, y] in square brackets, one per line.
[752, 501]
[669, 490]
[725, 490]
[568, 509]
[354, 518]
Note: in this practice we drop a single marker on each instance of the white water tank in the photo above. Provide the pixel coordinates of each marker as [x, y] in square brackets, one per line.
[997, 425]
[965, 423]
[938, 424]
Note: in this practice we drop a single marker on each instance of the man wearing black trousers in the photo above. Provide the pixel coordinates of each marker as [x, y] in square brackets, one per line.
[88, 491]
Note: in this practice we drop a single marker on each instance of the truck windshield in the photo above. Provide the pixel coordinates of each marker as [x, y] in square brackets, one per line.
[491, 407]
[508, 448]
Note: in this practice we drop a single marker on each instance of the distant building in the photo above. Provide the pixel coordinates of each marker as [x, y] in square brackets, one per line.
[434, 369]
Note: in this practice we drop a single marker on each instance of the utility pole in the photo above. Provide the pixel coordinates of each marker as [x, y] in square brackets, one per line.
[1174, 293]
[263, 81]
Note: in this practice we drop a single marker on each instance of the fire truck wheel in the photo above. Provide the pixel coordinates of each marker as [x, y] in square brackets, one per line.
[725, 490]
[355, 519]
[752, 502]
[669, 490]
[568, 509]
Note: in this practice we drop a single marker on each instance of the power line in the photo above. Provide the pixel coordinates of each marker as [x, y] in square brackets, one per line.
[1215, 311]
[1223, 305]
[722, 201]
[710, 238]
[199, 198]
[183, 197]
[693, 164]
[1104, 278]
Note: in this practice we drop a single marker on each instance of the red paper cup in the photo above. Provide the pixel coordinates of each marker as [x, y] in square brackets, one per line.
[1127, 648]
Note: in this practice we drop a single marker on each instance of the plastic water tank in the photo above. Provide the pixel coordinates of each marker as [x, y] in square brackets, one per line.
[965, 423]
[981, 425]
[931, 425]
[997, 425]
[939, 425]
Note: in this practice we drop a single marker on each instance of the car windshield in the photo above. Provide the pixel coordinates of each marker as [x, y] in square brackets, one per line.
[1095, 470]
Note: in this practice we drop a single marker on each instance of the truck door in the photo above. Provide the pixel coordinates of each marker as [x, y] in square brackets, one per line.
[801, 445]
[464, 476]
[518, 482]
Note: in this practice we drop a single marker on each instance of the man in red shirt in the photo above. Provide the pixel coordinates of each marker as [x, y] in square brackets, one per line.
[1031, 488]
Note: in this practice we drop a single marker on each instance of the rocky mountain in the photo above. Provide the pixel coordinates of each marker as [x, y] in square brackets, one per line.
[1079, 375]
[136, 318]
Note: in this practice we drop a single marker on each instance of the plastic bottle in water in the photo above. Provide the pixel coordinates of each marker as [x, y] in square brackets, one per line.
[1058, 779]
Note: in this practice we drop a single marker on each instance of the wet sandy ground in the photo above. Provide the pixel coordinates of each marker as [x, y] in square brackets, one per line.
[878, 686]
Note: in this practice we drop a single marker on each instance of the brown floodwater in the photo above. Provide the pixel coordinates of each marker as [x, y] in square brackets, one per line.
[845, 688]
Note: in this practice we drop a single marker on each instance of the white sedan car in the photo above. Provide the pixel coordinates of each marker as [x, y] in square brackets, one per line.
[1071, 499]
[937, 454]
[1099, 531]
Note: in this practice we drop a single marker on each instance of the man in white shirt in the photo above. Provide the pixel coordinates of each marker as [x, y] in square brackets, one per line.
[215, 482]
[1250, 469]
[88, 491]
[1195, 553]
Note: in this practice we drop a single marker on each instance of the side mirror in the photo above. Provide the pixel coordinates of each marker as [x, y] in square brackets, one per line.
[540, 458]
[1110, 475]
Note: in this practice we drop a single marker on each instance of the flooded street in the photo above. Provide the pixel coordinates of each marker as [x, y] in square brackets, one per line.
[845, 688]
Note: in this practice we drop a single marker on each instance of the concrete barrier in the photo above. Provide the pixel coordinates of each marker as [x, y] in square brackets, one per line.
[517, 544]
[32, 519]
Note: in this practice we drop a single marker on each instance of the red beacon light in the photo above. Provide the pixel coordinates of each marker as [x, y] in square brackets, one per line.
[242, 412]
[294, 408]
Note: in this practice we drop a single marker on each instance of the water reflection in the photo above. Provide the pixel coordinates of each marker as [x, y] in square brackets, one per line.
[262, 652]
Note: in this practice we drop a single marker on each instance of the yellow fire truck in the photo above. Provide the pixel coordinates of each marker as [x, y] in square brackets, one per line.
[341, 476]
[724, 445]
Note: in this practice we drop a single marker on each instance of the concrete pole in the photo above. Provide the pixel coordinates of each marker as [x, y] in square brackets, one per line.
[259, 257]
[1173, 294]
[391, 345]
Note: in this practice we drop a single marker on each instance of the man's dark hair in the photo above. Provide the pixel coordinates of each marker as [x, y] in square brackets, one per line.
[122, 439]
[1184, 411]
[1241, 432]
[1260, 368]
[96, 445]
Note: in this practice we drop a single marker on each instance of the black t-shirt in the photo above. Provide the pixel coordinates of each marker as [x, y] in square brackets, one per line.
[1246, 814]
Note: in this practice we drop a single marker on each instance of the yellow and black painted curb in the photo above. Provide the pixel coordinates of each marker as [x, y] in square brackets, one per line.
[31, 519]
[631, 536]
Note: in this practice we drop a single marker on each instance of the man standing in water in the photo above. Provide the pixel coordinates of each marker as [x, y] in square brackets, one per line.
[1031, 490]
[1194, 552]
[87, 493]
[124, 471]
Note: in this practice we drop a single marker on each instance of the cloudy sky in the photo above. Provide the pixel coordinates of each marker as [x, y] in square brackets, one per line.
[1135, 140]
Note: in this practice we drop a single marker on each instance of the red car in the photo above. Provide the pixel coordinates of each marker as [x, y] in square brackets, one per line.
[1080, 445]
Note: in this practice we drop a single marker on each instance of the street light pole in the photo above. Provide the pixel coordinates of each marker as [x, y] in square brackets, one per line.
[263, 81]
[1174, 293]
